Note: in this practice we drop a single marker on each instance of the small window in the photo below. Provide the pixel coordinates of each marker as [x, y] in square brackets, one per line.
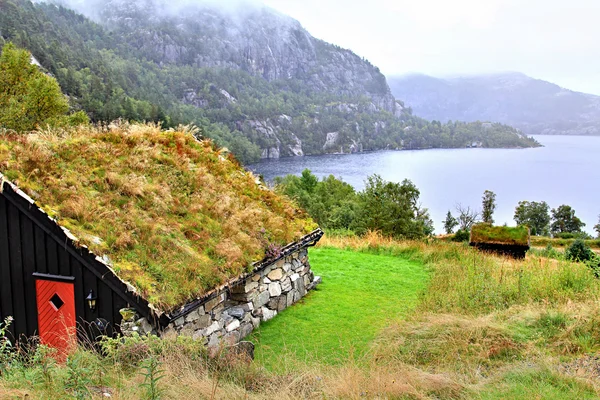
[56, 302]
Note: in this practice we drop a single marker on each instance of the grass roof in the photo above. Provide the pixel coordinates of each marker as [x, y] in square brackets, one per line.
[487, 233]
[176, 216]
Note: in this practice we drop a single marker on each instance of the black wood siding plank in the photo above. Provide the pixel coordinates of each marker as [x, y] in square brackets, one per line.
[16, 269]
[29, 267]
[105, 303]
[64, 262]
[5, 286]
[77, 272]
[90, 282]
[40, 250]
[52, 257]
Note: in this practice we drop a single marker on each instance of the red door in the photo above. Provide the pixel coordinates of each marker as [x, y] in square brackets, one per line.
[56, 314]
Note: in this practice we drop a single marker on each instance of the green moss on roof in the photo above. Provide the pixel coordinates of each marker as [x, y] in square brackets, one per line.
[175, 216]
[486, 233]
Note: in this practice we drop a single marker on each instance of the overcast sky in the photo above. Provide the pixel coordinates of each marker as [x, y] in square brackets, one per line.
[554, 40]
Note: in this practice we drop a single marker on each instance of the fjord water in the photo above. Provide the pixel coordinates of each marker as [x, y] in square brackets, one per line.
[565, 171]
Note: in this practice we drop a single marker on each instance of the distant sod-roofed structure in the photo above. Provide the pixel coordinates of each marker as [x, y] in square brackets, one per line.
[504, 240]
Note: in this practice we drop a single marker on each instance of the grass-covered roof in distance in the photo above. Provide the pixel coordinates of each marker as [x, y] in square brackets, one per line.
[176, 216]
[487, 233]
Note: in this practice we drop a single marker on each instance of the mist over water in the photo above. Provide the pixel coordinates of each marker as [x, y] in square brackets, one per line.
[565, 171]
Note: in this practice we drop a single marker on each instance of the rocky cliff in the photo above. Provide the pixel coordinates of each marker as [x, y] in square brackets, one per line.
[532, 105]
[253, 38]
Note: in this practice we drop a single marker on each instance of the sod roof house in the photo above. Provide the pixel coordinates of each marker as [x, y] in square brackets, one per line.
[504, 240]
[127, 227]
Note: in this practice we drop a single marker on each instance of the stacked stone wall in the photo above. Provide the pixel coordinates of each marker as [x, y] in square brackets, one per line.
[235, 312]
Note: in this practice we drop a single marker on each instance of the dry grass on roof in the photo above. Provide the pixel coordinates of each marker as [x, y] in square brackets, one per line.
[175, 216]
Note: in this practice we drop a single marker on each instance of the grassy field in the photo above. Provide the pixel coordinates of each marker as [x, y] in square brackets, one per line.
[392, 320]
[543, 241]
[360, 295]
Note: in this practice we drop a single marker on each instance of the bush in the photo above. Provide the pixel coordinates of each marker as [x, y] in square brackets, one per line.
[579, 251]
[461, 236]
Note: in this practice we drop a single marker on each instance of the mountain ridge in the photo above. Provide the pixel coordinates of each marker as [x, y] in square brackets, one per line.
[533, 105]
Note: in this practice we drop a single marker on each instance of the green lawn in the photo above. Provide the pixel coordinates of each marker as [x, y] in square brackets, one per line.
[360, 294]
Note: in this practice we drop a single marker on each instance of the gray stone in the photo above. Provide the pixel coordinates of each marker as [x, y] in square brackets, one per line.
[287, 267]
[236, 312]
[218, 310]
[245, 287]
[266, 280]
[290, 298]
[247, 317]
[268, 314]
[257, 313]
[213, 341]
[294, 277]
[179, 322]
[255, 322]
[245, 330]
[193, 316]
[244, 297]
[275, 274]
[261, 299]
[301, 289]
[286, 285]
[233, 325]
[247, 307]
[306, 280]
[214, 327]
[202, 322]
[244, 349]
[274, 289]
[296, 264]
[281, 303]
[317, 280]
[212, 303]
[272, 304]
[231, 338]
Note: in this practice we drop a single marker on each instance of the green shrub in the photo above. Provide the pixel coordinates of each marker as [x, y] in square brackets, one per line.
[461, 236]
[579, 251]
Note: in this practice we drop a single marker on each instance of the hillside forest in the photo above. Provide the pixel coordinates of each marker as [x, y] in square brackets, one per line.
[111, 72]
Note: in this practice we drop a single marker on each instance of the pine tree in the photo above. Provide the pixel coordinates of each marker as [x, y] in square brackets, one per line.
[450, 223]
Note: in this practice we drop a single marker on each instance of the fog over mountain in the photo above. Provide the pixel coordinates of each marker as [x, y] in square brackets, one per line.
[532, 105]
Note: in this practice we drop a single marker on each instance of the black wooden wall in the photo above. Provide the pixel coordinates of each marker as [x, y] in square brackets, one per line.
[32, 243]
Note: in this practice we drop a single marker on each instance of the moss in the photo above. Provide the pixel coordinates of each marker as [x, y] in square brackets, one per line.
[175, 217]
[486, 233]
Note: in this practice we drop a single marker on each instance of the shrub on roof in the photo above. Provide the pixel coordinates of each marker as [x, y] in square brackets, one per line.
[175, 215]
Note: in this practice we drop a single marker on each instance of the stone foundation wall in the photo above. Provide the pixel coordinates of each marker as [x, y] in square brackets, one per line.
[234, 313]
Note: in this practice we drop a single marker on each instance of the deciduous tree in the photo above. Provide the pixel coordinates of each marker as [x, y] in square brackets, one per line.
[28, 97]
[535, 215]
[466, 217]
[565, 221]
[488, 206]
